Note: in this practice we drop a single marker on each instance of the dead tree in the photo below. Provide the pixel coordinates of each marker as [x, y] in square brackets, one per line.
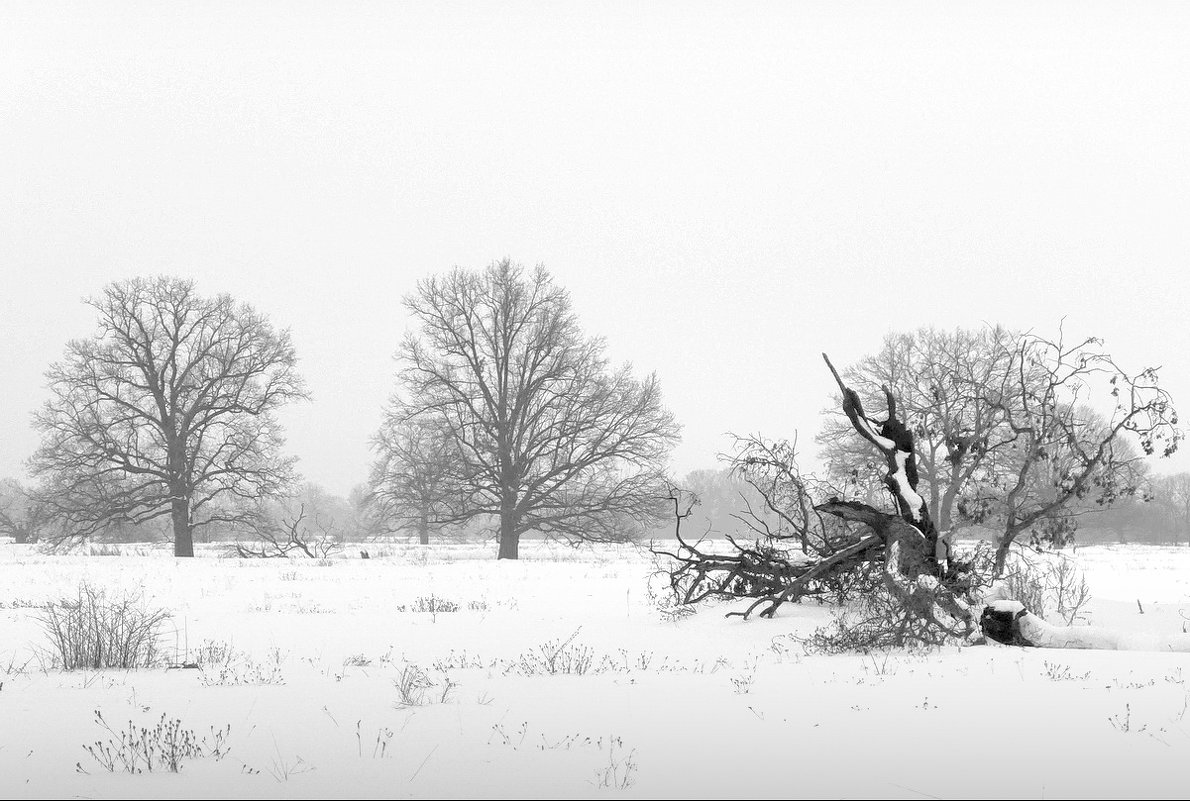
[915, 565]
[277, 539]
[919, 569]
[933, 594]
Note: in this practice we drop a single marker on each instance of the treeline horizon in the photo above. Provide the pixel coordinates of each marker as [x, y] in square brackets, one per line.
[508, 420]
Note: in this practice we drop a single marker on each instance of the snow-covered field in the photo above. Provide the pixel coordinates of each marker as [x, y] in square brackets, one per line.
[303, 662]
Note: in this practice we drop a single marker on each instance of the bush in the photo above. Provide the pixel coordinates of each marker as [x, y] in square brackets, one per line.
[93, 631]
[1047, 583]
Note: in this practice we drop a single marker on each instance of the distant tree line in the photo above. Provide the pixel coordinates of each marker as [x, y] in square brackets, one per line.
[509, 421]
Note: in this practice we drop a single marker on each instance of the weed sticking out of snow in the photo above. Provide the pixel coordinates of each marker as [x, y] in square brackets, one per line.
[416, 687]
[554, 657]
[378, 746]
[433, 606]
[163, 747]
[230, 667]
[620, 771]
[1123, 723]
[742, 681]
[1057, 672]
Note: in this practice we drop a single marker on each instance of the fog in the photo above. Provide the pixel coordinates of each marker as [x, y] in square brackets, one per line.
[727, 190]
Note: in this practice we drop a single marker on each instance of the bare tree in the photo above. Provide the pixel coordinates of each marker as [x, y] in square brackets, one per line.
[937, 378]
[412, 483]
[167, 410]
[1064, 449]
[22, 517]
[1171, 494]
[550, 437]
[366, 520]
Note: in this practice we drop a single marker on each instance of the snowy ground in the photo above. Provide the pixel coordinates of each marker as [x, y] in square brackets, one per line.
[705, 706]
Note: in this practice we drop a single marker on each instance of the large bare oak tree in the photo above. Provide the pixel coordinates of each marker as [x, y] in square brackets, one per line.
[549, 437]
[168, 409]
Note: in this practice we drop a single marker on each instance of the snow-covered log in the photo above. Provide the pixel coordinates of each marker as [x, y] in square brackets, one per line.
[1008, 622]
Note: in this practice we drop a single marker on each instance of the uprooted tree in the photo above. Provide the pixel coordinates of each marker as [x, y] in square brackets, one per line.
[808, 554]
[913, 582]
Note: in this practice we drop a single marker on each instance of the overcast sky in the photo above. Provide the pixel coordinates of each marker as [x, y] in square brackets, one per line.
[727, 190]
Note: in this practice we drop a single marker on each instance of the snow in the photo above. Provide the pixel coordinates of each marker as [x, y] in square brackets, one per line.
[907, 493]
[873, 434]
[704, 706]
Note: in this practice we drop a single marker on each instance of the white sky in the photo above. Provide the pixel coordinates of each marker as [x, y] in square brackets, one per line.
[726, 189]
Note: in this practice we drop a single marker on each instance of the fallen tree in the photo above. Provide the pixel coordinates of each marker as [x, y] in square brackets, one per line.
[912, 562]
[281, 537]
[898, 563]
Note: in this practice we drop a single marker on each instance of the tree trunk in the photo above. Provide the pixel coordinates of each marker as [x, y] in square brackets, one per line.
[936, 506]
[946, 508]
[510, 536]
[510, 539]
[423, 530]
[183, 535]
[1002, 549]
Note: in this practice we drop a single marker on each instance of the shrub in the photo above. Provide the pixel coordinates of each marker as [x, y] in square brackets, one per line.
[1047, 584]
[92, 630]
